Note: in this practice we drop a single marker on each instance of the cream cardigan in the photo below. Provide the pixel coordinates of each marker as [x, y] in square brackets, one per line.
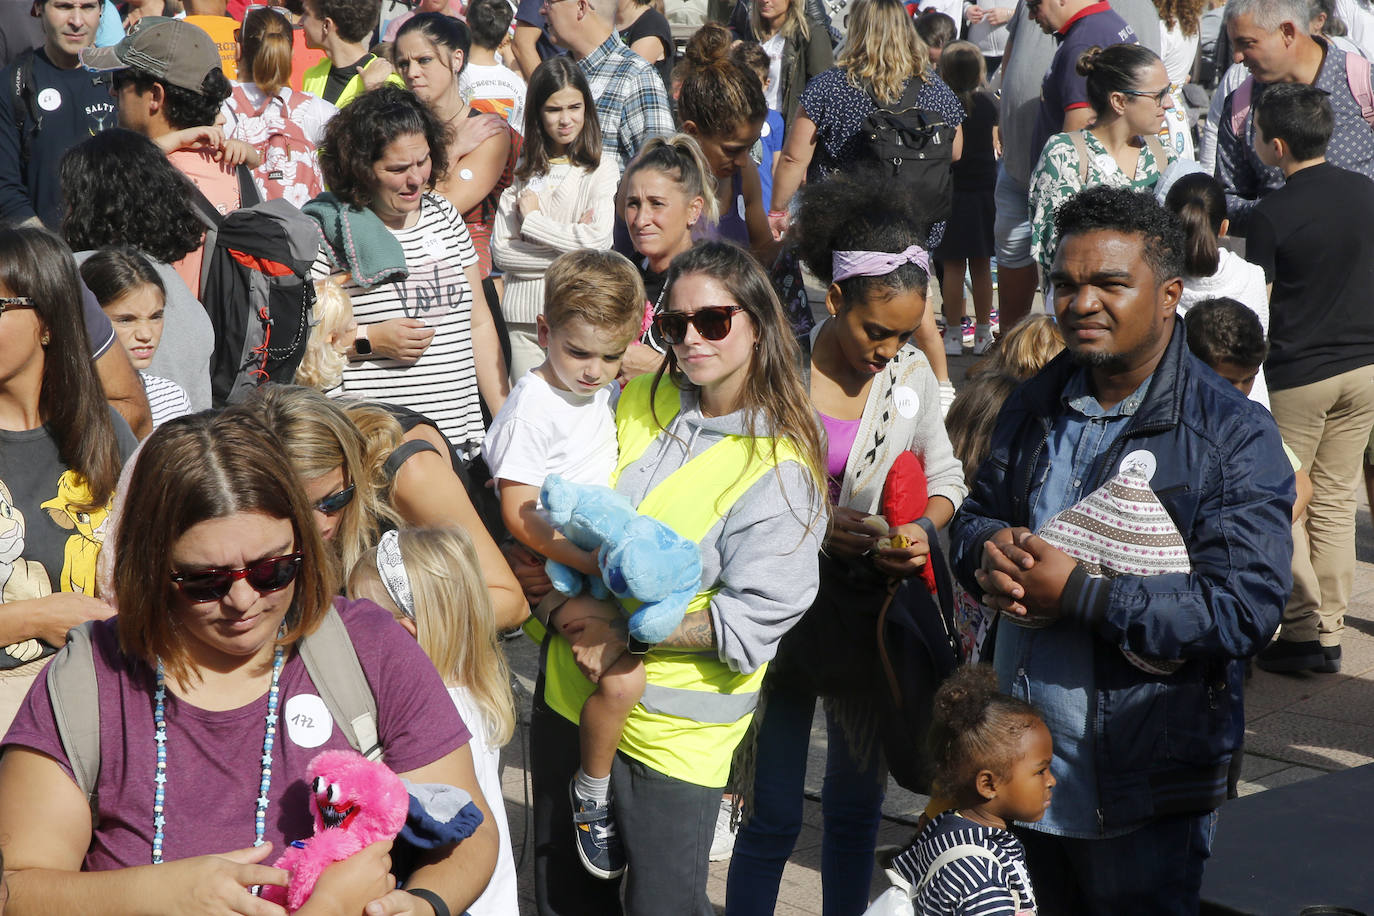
[524, 250]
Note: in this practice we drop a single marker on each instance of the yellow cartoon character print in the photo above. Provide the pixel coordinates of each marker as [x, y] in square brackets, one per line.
[20, 579]
[83, 547]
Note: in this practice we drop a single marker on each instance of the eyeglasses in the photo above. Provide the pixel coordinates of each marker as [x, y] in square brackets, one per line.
[712, 323]
[14, 303]
[336, 501]
[265, 576]
[1159, 96]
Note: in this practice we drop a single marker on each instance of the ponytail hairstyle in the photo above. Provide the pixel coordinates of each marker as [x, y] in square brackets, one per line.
[551, 76]
[1200, 204]
[849, 213]
[681, 159]
[1114, 69]
[717, 94]
[964, 71]
[975, 728]
[775, 403]
[265, 49]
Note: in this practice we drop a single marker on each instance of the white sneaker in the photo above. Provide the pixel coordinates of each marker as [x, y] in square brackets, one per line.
[981, 343]
[723, 844]
[954, 341]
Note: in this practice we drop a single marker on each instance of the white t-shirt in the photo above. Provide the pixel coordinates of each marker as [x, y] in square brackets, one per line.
[497, 89]
[442, 383]
[500, 898]
[542, 430]
[773, 48]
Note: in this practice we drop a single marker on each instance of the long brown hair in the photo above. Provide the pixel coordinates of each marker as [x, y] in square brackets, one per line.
[192, 469]
[775, 401]
[552, 75]
[37, 264]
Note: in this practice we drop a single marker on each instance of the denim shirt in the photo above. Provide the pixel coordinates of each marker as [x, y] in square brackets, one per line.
[1052, 668]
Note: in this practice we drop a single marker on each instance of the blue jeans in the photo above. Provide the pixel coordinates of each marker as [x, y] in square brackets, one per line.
[851, 808]
[1155, 870]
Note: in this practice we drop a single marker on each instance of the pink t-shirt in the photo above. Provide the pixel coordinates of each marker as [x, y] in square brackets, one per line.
[214, 758]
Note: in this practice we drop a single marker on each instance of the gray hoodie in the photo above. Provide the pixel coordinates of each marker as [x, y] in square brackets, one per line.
[763, 554]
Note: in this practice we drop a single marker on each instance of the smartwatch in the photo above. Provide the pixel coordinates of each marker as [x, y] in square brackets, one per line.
[361, 344]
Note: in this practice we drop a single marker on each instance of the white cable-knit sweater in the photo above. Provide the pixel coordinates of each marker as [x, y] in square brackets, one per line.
[525, 249]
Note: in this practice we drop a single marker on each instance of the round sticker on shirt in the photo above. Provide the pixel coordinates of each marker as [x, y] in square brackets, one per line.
[434, 247]
[465, 174]
[308, 722]
[49, 99]
[907, 402]
[1140, 462]
[767, 130]
[537, 183]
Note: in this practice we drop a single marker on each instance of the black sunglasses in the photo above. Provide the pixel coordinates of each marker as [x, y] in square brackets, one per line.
[336, 501]
[712, 323]
[265, 576]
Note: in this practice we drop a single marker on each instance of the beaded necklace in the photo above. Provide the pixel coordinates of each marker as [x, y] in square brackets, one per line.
[160, 778]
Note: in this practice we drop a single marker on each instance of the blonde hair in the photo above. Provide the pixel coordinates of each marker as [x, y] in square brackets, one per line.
[454, 620]
[320, 436]
[600, 287]
[794, 26]
[883, 50]
[323, 365]
[1024, 350]
[681, 158]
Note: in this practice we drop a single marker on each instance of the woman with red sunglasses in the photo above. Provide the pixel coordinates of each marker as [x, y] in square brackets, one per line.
[208, 714]
[722, 445]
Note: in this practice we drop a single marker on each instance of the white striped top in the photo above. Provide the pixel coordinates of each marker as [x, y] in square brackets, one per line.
[971, 885]
[166, 399]
[442, 383]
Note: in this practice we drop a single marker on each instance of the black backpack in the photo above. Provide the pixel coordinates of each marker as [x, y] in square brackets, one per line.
[255, 284]
[912, 150]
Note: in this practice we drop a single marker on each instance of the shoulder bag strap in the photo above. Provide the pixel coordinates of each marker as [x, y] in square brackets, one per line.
[1080, 146]
[338, 675]
[1157, 150]
[954, 854]
[74, 694]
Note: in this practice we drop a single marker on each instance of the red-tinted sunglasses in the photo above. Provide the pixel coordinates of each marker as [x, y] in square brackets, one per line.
[712, 323]
[265, 576]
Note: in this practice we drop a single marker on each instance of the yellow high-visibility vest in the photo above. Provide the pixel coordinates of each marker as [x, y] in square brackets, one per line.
[318, 75]
[695, 708]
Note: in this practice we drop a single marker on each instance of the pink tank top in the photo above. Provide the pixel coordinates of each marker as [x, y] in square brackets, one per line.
[839, 436]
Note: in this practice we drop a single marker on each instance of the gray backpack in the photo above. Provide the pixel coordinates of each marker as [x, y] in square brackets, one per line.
[329, 658]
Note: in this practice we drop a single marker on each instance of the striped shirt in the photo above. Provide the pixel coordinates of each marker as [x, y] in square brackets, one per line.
[970, 885]
[442, 383]
[166, 399]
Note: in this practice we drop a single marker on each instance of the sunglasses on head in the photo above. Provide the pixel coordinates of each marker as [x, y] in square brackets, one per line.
[265, 576]
[335, 501]
[712, 323]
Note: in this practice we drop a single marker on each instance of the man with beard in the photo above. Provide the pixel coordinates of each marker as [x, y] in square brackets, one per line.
[1141, 757]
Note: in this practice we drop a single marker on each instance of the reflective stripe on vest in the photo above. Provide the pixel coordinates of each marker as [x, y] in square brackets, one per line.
[695, 708]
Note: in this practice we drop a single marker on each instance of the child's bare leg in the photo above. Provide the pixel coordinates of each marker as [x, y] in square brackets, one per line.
[605, 712]
[980, 271]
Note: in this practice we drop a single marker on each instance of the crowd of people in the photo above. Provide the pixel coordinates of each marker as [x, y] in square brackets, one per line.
[305, 306]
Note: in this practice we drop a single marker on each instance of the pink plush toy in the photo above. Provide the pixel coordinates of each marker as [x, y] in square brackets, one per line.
[356, 803]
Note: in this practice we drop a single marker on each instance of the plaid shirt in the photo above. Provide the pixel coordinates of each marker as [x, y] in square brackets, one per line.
[631, 102]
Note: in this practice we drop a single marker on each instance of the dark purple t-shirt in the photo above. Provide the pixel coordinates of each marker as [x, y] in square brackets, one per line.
[214, 758]
[1063, 89]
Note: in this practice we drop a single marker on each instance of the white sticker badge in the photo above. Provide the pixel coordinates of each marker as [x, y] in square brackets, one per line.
[739, 206]
[49, 99]
[465, 174]
[1140, 462]
[308, 721]
[907, 402]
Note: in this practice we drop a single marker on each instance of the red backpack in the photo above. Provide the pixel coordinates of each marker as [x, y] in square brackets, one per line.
[289, 169]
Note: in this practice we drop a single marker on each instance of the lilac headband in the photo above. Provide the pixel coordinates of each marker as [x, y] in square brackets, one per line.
[848, 264]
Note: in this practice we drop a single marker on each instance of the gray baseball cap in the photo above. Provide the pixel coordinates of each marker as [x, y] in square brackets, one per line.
[169, 49]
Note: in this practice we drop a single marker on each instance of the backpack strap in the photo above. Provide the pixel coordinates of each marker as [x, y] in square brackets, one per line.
[74, 694]
[1357, 78]
[1240, 104]
[338, 675]
[1080, 146]
[954, 854]
[403, 453]
[1157, 150]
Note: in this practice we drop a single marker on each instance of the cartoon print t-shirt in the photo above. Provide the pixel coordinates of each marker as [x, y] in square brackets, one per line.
[47, 542]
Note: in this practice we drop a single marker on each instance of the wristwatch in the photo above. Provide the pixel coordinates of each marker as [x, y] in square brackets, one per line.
[361, 344]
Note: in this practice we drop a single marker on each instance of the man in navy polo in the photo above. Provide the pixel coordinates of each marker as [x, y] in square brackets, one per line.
[1078, 25]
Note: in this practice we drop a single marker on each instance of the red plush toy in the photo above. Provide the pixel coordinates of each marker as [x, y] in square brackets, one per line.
[905, 496]
[356, 803]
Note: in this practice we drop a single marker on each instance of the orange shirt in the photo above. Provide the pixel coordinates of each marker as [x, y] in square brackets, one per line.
[220, 185]
[221, 30]
[302, 58]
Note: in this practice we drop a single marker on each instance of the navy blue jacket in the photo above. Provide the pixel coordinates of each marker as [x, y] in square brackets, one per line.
[1162, 743]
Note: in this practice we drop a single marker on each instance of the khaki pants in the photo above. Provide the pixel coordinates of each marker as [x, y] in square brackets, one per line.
[525, 352]
[1327, 425]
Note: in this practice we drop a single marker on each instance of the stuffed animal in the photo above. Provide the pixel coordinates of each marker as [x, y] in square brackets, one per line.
[905, 497]
[639, 557]
[356, 802]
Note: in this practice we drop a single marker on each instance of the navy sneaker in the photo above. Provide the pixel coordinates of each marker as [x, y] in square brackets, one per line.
[598, 843]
